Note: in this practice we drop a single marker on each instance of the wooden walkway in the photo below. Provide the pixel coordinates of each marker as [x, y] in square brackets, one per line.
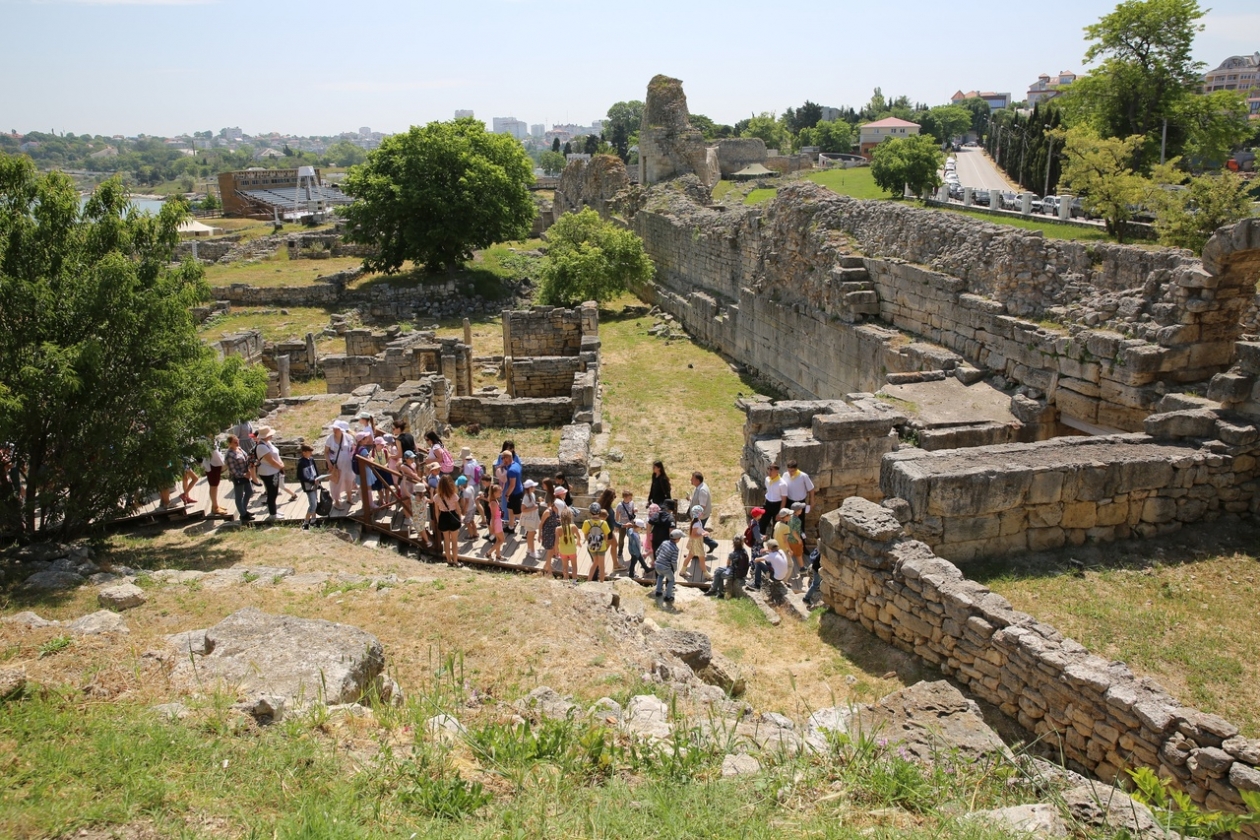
[471, 552]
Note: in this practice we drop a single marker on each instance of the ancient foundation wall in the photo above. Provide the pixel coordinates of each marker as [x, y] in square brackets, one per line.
[1097, 713]
[542, 376]
[397, 358]
[519, 413]
[542, 331]
[248, 345]
[735, 153]
[994, 500]
[784, 288]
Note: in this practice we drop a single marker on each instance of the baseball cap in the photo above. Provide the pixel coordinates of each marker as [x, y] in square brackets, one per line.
[675, 534]
[757, 512]
[772, 543]
[595, 508]
[639, 523]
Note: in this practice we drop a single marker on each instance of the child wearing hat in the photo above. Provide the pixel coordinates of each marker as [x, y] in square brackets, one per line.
[530, 519]
[596, 531]
[634, 545]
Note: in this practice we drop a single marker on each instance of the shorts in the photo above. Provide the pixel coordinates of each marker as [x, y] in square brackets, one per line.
[514, 503]
[213, 475]
[448, 521]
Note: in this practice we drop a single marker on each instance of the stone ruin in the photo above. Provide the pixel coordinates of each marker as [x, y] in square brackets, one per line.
[960, 390]
[388, 358]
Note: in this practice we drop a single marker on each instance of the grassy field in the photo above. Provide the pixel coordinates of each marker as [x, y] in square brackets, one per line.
[293, 322]
[1182, 611]
[757, 196]
[1050, 229]
[856, 182]
[278, 270]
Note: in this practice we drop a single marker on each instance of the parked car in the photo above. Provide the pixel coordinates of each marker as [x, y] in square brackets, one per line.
[980, 197]
[1050, 205]
[1036, 204]
[1009, 201]
[956, 191]
[1078, 210]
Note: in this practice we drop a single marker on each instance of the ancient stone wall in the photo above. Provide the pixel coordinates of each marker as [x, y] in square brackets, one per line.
[735, 153]
[542, 376]
[813, 265]
[543, 331]
[503, 412]
[590, 184]
[399, 357]
[248, 345]
[668, 144]
[323, 245]
[1091, 711]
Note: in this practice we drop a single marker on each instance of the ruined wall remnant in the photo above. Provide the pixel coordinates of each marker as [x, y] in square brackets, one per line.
[247, 345]
[389, 358]
[590, 184]
[547, 330]
[669, 145]
[735, 153]
[1100, 331]
[1095, 712]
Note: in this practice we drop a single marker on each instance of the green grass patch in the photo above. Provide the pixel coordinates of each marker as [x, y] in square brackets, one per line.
[856, 182]
[278, 270]
[294, 322]
[757, 196]
[1048, 228]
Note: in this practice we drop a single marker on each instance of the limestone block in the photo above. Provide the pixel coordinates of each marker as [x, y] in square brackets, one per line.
[1158, 510]
[1079, 515]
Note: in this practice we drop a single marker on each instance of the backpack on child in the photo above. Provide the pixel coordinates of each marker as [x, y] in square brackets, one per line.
[445, 463]
[595, 537]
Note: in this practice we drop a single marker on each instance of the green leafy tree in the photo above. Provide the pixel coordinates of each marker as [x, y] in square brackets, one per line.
[772, 132]
[806, 116]
[1099, 170]
[912, 162]
[1215, 124]
[979, 110]
[834, 136]
[622, 126]
[710, 129]
[210, 202]
[436, 193]
[946, 122]
[105, 386]
[590, 259]
[345, 153]
[1187, 218]
[555, 144]
[591, 146]
[551, 162]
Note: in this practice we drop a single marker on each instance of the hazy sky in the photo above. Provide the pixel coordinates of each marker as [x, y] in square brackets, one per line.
[171, 66]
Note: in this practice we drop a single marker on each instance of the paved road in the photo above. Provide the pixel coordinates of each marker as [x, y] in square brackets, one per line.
[976, 170]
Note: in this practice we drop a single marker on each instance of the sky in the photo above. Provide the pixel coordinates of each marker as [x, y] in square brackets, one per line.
[167, 67]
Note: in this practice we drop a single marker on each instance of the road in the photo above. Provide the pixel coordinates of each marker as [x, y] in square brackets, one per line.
[976, 170]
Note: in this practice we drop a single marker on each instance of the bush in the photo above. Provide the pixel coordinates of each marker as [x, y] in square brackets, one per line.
[590, 259]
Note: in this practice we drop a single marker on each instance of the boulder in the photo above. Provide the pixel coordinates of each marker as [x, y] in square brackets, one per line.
[192, 641]
[830, 720]
[124, 596]
[547, 702]
[101, 621]
[723, 673]
[53, 580]
[929, 717]
[264, 708]
[1100, 806]
[300, 660]
[445, 728]
[29, 619]
[690, 646]
[740, 765]
[1039, 820]
[648, 716]
[12, 682]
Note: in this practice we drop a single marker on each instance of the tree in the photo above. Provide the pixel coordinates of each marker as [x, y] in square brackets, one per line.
[945, 122]
[912, 161]
[807, 116]
[590, 259]
[1215, 124]
[345, 153]
[591, 147]
[770, 130]
[710, 129]
[555, 144]
[1187, 217]
[568, 148]
[105, 386]
[835, 136]
[551, 162]
[622, 126]
[979, 110]
[436, 193]
[1099, 170]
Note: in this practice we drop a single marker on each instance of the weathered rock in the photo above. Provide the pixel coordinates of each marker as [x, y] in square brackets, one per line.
[546, 702]
[53, 580]
[929, 717]
[445, 728]
[834, 720]
[27, 618]
[690, 646]
[12, 682]
[171, 711]
[740, 765]
[724, 674]
[124, 596]
[192, 641]
[1037, 820]
[647, 716]
[1100, 806]
[300, 660]
[606, 709]
[264, 708]
[101, 621]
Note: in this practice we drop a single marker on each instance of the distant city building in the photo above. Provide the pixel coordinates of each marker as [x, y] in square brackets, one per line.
[365, 131]
[537, 131]
[572, 156]
[1241, 73]
[874, 133]
[461, 114]
[997, 101]
[1048, 87]
[231, 133]
[829, 114]
[510, 125]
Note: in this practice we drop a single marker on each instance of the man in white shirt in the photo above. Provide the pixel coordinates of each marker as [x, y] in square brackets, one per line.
[702, 498]
[774, 498]
[774, 563]
[798, 487]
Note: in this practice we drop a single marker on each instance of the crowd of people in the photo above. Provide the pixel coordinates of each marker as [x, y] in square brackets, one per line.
[442, 498]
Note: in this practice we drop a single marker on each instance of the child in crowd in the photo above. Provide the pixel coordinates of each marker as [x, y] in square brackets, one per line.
[410, 477]
[797, 545]
[634, 545]
[566, 545]
[623, 517]
[529, 517]
[753, 537]
[596, 531]
[483, 503]
[736, 568]
[695, 543]
[496, 522]
[308, 477]
[783, 532]
[468, 504]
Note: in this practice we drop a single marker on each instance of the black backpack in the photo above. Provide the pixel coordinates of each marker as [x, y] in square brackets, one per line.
[324, 506]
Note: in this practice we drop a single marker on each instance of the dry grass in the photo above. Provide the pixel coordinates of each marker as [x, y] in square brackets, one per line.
[278, 270]
[1182, 611]
[514, 632]
[309, 419]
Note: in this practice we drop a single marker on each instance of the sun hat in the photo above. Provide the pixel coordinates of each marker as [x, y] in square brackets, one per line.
[675, 534]
[388, 438]
[433, 467]
[363, 415]
[560, 491]
[757, 512]
[595, 508]
[772, 544]
[341, 424]
[264, 432]
[362, 433]
[785, 513]
[639, 523]
[465, 453]
[530, 484]
[798, 506]
[696, 510]
[379, 441]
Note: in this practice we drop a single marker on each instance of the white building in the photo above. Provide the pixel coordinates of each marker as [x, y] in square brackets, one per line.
[459, 115]
[537, 131]
[510, 125]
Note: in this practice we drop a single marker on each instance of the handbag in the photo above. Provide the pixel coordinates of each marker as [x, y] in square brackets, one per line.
[324, 506]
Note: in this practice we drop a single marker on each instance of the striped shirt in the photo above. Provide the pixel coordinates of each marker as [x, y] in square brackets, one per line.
[668, 553]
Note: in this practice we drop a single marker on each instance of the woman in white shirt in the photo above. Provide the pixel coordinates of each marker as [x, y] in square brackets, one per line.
[339, 450]
[269, 468]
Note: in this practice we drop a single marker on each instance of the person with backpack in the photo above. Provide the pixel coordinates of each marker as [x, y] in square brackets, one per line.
[661, 521]
[308, 477]
[753, 535]
[214, 465]
[238, 470]
[548, 516]
[567, 535]
[438, 454]
[596, 531]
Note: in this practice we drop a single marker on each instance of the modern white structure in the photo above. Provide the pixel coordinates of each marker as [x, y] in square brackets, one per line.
[510, 125]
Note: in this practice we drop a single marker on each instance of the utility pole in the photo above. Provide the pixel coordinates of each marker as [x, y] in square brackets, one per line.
[1049, 157]
[1163, 141]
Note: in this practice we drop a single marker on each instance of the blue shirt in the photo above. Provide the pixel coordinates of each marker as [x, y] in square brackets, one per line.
[636, 547]
[668, 553]
[514, 479]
